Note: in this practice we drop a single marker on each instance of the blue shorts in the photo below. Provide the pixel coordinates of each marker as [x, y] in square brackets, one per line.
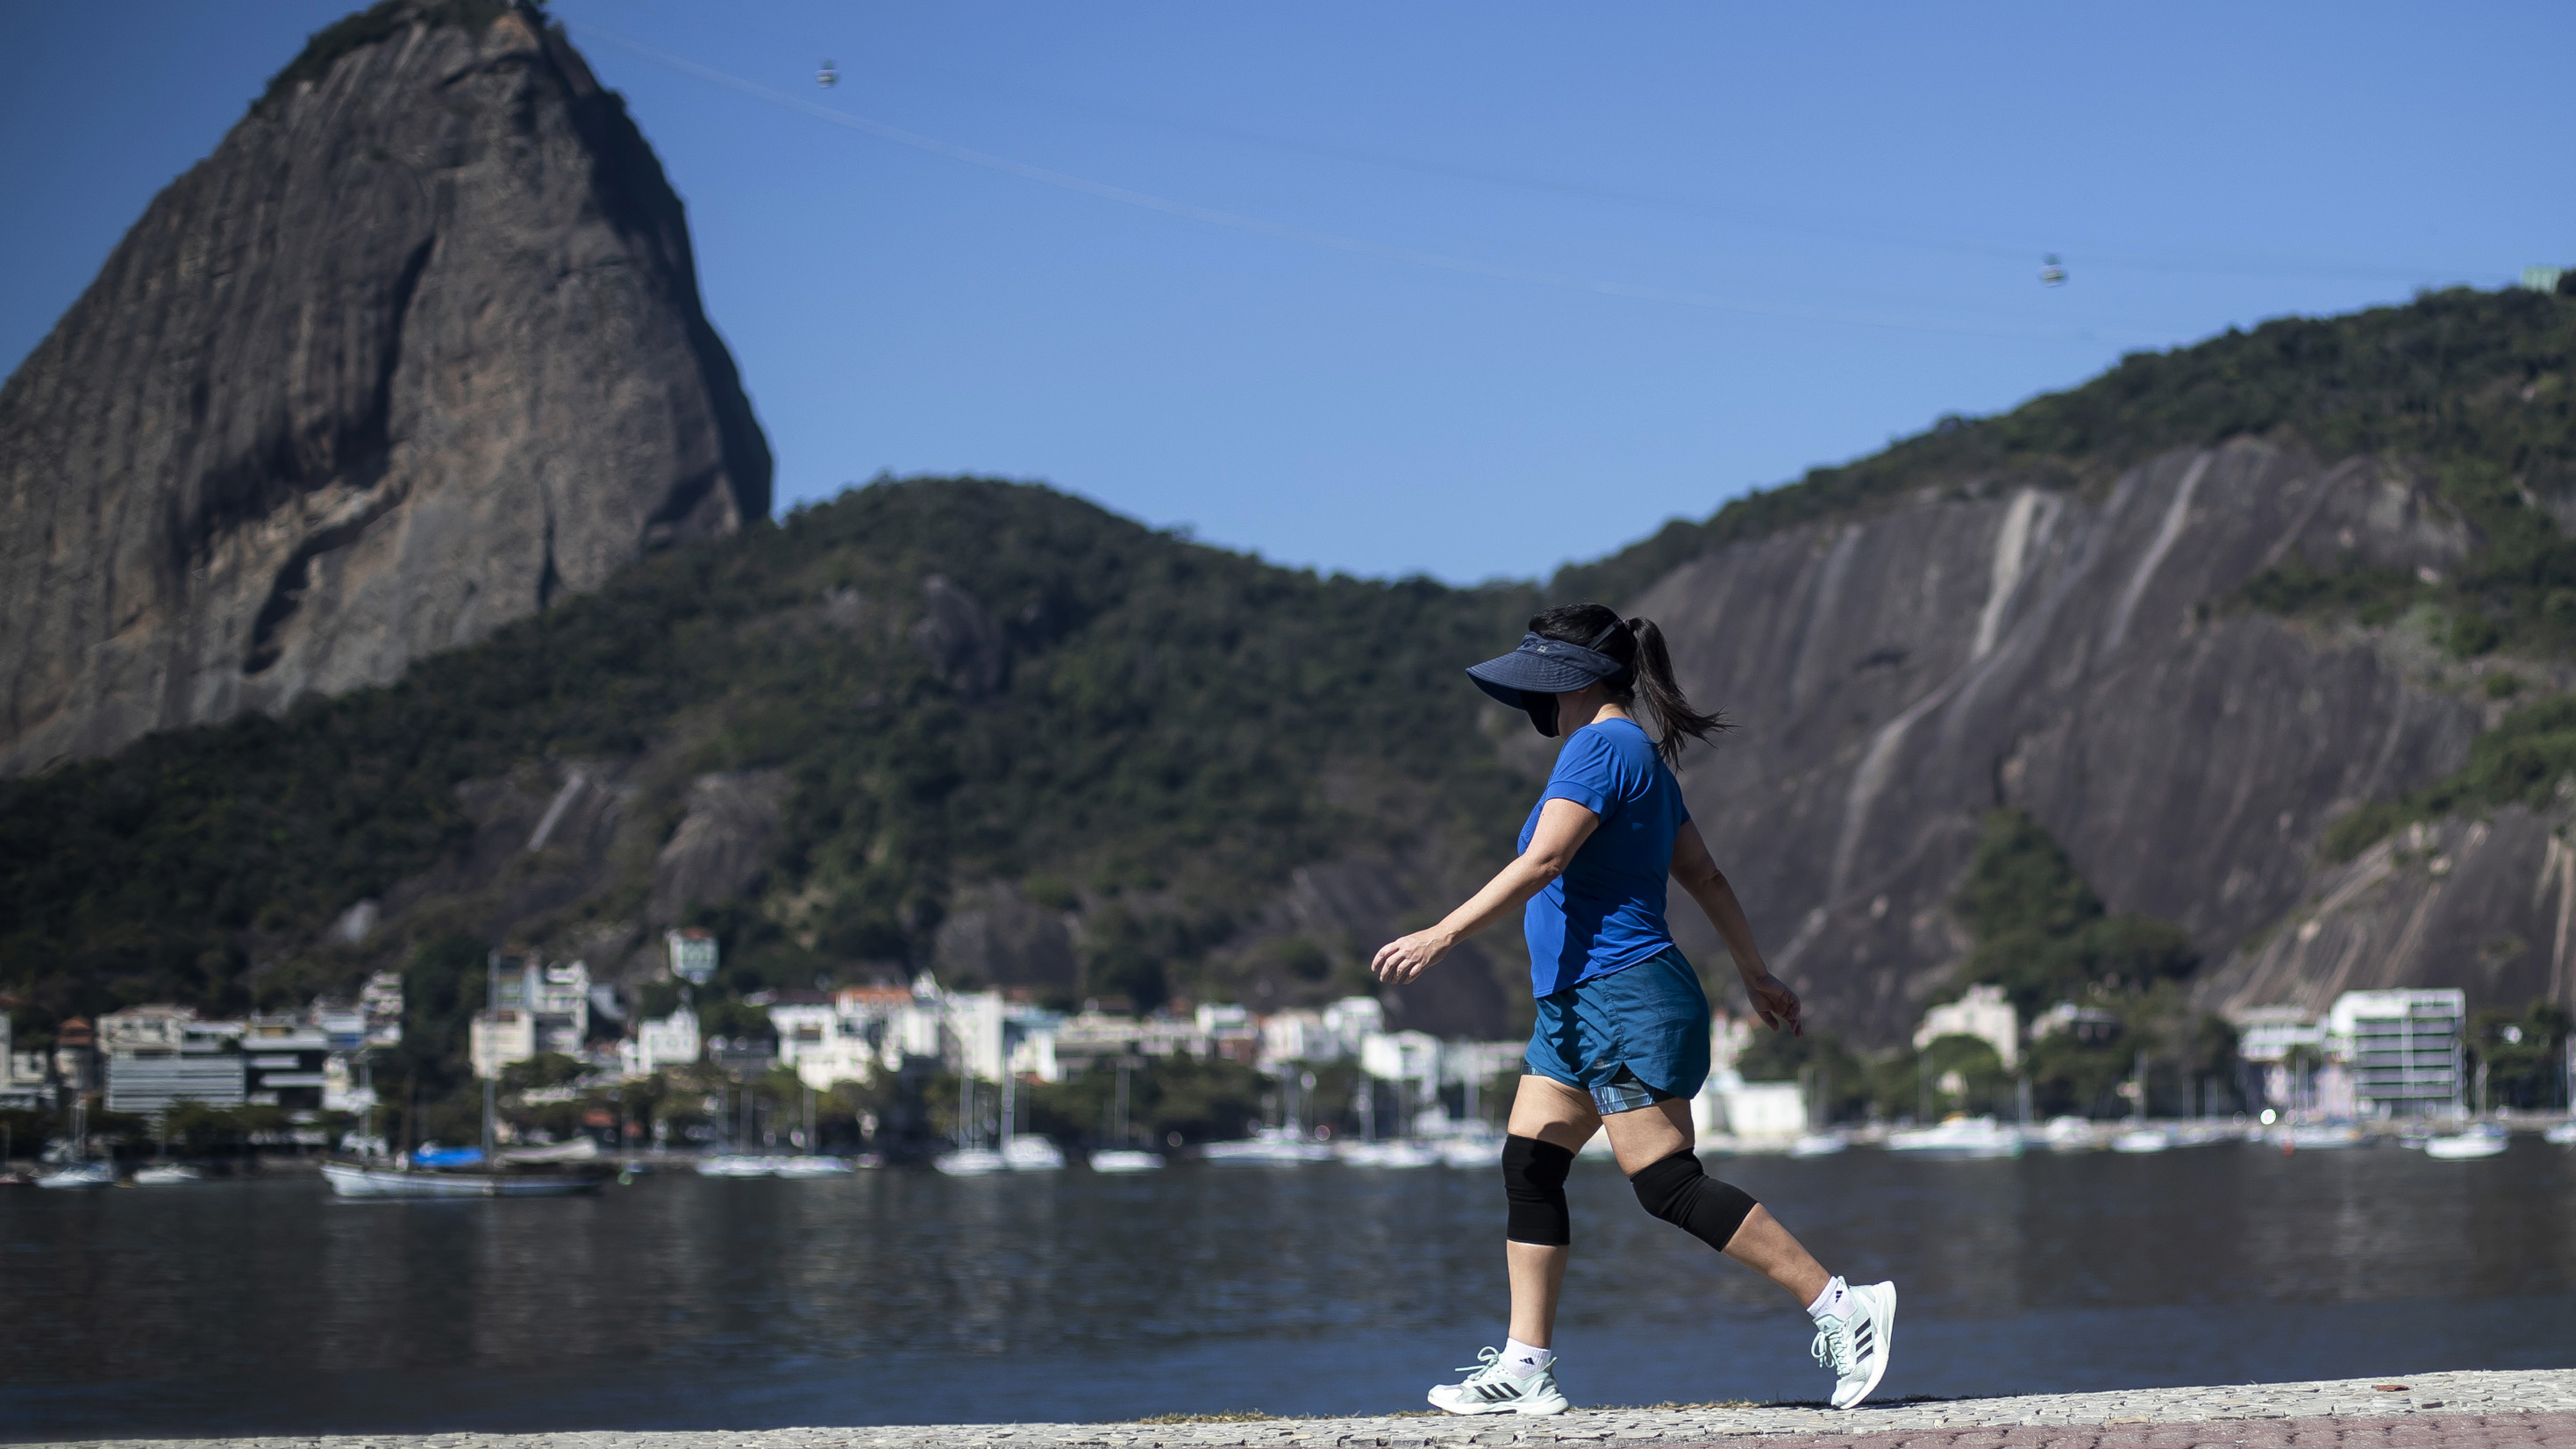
[1633, 1038]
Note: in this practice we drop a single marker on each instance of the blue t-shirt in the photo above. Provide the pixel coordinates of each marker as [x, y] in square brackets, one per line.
[1606, 912]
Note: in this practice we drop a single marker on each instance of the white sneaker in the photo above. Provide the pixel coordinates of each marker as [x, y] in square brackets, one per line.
[1492, 1388]
[1855, 1346]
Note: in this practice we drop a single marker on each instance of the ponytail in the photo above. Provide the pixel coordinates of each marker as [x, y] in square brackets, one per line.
[1638, 644]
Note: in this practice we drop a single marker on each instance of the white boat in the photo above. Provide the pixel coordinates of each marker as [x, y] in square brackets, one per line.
[165, 1174]
[970, 1162]
[2564, 1134]
[1388, 1154]
[2322, 1136]
[80, 1174]
[1472, 1152]
[2142, 1139]
[1126, 1159]
[1032, 1154]
[2486, 1139]
[1269, 1145]
[739, 1164]
[351, 1180]
[813, 1167]
[580, 1149]
[2065, 1134]
[1958, 1137]
[1819, 1144]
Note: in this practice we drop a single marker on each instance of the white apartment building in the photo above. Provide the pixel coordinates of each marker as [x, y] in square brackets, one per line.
[23, 1082]
[690, 955]
[671, 1041]
[1984, 1014]
[2402, 1048]
[159, 1056]
[2266, 1035]
[535, 1009]
[1403, 1056]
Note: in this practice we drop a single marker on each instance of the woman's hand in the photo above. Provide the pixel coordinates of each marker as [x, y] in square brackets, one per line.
[1400, 960]
[1777, 1004]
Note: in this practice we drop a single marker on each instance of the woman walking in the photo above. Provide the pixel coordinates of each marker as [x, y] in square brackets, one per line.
[1622, 1035]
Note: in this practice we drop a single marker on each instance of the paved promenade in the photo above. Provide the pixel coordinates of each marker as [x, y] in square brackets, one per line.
[2510, 1410]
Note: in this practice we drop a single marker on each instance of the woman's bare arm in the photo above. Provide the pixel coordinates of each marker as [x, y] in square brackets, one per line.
[1563, 826]
[1697, 873]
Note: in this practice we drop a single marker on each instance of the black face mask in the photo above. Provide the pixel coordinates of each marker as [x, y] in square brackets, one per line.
[1542, 712]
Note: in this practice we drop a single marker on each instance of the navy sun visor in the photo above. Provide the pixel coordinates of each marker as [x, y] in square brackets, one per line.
[1533, 675]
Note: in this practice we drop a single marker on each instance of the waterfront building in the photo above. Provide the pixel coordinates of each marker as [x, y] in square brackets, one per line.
[535, 1009]
[76, 1064]
[821, 1043]
[2084, 1023]
[160, 1055]
[380, 1009]
[1229, 1032]
[2402, 1048]
[1090, 1037]
[24, 1082]
[671, 1041]
[1982, 1013]
[2267, 1035]
[690, 955]
[1403, 1057]
[283, 1061]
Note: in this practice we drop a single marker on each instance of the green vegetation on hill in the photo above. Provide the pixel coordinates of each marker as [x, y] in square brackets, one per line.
[1152, 727]
[2525, 759]
[2044, 937]
[2477, 387]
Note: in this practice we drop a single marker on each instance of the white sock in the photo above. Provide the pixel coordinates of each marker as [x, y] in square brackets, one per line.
[1520, 1360]
[1834, 1302]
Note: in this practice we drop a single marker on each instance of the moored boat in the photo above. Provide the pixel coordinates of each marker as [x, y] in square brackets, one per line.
[1126, 1159]
[815, 1166]
[970, 1162]
[739, 1164]
[166, 1174]
[357, 1180]
[2486, 1139]
[1269, 1145]
[80, 1175]
[1032, 1154]
[1958, 1137]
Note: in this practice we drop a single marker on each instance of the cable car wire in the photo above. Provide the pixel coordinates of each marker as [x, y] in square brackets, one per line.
[1148, 201]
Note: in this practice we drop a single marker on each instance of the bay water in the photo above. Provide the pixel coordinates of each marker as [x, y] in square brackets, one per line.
[263, 1305]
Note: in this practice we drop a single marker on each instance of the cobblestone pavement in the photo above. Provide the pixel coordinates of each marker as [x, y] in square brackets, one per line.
[2509, 1410]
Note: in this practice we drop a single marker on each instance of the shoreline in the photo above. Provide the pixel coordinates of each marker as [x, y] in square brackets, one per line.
[2473, 1409]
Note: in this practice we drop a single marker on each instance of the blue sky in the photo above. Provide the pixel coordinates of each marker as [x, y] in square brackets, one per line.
[1467, 290]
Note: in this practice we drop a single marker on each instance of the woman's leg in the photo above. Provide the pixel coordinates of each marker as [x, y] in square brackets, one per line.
[1648, 1136]
[1545, 1110]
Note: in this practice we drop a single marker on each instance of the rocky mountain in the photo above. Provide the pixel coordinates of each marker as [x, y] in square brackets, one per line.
[2073, 655]
[415, 351]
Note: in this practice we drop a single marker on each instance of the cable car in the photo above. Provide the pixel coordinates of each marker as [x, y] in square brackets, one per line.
[828, 77]
[2052, 272]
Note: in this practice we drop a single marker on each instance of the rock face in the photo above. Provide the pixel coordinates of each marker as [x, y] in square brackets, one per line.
[416, 349]
[1897, 674]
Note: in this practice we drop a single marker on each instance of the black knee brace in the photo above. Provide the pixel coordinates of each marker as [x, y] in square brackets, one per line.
[1534, 1185]
[1678, 1190]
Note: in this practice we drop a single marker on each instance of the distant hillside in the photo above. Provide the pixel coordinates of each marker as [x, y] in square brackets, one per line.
[955, 724]
[2185, 619]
